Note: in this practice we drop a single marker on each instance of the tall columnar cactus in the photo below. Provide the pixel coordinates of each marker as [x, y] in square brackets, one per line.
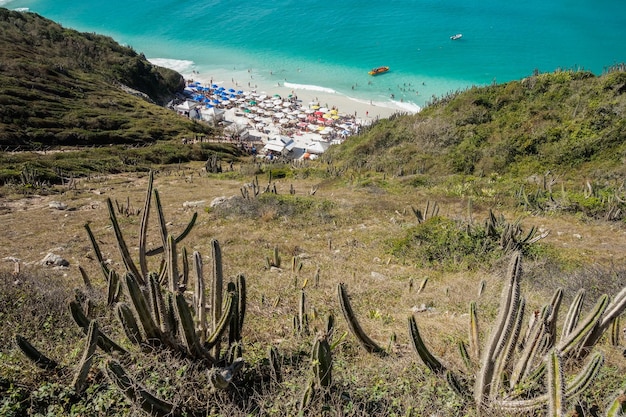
[141, 272]
[356, 329]
[510, 378]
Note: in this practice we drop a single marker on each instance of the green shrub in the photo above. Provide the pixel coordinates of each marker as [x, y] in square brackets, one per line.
[445, 242]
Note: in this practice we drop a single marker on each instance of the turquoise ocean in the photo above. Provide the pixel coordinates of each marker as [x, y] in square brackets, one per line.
[330, 45]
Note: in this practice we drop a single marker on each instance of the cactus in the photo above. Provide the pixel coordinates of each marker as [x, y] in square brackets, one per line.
[303, 323]
[321, 364]
[274, 362]
[556, 385]
[80, 378]
[429, 212]
[473, 331]
[618, 406]
[356, 329]
[523, 370]
[35, 355]
[104, 342]
[321, 358]
[217, 285]
[129, 323]
[79, 381]
[136, 393]
[615, 331]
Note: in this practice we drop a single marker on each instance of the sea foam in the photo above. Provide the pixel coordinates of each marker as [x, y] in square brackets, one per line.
[179, 65]
[309, 87]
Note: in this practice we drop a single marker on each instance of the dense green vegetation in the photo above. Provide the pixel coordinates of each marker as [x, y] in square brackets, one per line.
[59, 87]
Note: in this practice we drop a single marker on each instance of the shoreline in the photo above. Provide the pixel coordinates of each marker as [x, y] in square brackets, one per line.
[249, 80]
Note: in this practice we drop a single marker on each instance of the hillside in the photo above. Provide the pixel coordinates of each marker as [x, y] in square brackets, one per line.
[569, 122]
[62, 87]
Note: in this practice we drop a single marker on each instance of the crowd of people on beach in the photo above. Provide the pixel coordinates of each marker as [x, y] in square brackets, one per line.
[261, 116]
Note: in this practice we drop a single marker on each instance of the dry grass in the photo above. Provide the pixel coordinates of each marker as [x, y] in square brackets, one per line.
[344, 236]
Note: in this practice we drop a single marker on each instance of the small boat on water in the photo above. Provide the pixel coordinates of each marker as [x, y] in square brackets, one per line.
[379, 70]
[456, 37]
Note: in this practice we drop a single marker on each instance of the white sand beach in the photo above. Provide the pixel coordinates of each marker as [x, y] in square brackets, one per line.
[285, 119]
[247, 80]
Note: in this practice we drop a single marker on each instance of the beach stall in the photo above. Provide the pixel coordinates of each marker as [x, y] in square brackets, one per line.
[279, 145]
[186, 107]
[211, 114]
[317, 147]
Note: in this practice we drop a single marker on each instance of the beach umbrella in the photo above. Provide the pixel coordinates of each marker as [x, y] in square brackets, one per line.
[315, 107]
[239, 91]
[214, 85]
[279, 115]
[277, 102]
[302, 116]
[252, 102]
[209, 106]
[323, 109]
[231, 90]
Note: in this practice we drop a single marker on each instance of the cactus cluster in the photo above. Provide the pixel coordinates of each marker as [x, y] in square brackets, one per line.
[511, 236]
[155, 314]
[518, 369]
[510, 370]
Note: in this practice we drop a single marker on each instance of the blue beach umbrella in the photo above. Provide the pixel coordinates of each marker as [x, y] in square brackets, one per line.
[231, 90]
[239, 91]
[209, 106]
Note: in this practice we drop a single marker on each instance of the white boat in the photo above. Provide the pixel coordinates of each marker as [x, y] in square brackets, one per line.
[457, 36]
